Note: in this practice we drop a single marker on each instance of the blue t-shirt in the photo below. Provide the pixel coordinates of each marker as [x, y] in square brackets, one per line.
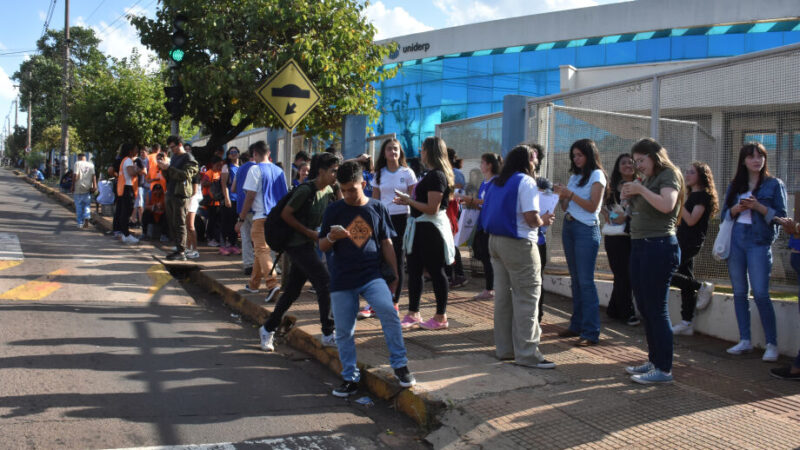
[458, 178]
[368, 177]
[356, 261]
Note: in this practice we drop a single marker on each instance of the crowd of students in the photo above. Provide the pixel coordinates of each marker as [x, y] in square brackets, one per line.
[358, 230]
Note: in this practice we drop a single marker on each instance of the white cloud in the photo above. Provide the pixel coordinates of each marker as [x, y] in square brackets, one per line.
[461, 12]
[7, 89]
[392, 22]
[42, 15]
[3, 47]
[119, 39]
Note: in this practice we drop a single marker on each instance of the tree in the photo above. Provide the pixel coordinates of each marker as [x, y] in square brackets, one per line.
[16, 142]
[122, 104]
[41, 77]
[51, 139]
[234, 45]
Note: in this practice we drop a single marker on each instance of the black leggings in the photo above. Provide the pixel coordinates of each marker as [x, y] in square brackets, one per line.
[125, 209]
[684, 279]
[618, 249]
[228, 217]
[427, 253]
[486, 260]
[399, 225]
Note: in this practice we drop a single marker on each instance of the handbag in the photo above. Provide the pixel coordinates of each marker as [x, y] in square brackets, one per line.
[613, 229]
[722, 244]
[466, 225]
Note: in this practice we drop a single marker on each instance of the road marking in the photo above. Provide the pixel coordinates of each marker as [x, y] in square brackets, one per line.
[10, 249]
[9, 264]
[158, 273]
[36, 289]
[288, 443]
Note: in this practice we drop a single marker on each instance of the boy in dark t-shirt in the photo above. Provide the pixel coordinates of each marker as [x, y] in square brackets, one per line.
[358, 230]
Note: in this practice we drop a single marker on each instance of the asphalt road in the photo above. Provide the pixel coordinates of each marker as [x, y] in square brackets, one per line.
[101, 348]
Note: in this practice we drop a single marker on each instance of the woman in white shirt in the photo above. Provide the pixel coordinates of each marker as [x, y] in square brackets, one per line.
[392, 174]
[582, 199]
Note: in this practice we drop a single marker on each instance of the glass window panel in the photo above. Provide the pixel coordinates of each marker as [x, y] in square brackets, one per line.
[591, 55]
[432, 71]
[397, 80]
[431, 93]
[479, 89]
[762, 41]
[506, 63]
[497, 107]
[411, 95]
[791, 37]
[389, 95]
[530, 61]
[453, 112]
[478, 109]
[454, 68]
[560, 57]
[454, 91]
[407, 127]
[689, 47]
[726, 45]
[533, 84]
[479, 65]
[553, 82]
[412, 74]
[769, 140]
[621, 53]
[429, 119]
[504, 85]
[653, 50]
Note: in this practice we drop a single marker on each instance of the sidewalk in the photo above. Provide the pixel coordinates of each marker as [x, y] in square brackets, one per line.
[468, 399]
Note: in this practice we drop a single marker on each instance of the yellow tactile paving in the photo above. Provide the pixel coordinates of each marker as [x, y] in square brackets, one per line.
[36, 289]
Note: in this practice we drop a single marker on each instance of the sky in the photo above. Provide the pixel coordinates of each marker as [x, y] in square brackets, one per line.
[23, 25]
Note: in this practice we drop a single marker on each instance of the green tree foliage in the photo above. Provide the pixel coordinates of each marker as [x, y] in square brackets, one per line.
[122, 104]
[234, 45]
[51, 139]
[41, 77]
[15, 142]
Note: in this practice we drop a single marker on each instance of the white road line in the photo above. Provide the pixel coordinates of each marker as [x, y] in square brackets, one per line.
[10, 249]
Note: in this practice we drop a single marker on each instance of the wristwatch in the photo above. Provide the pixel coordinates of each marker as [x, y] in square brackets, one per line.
[239, 219]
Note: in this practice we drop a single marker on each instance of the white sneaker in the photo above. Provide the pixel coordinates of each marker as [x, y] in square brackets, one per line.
[704, 295]
[742, 347]
[192, 254]
[329, 340]
[771, 353]
[129, 239]
[267, 339]
[684, 328]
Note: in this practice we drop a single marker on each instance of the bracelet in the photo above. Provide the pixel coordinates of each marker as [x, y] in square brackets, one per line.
[328, 237]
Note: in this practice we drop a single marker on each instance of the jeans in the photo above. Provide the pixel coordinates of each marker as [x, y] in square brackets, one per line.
[83, 207]
[248, 254]
[581, 243]
[653, 261]
[176, 209]
[543, 259]
[518, 280]
[620, 305]
[399, 224]
[160, 224]
[345, 309]
[750, 264]
[427, 253]
[262, 265]
[684, 279]
[795, 259]
[305, 265]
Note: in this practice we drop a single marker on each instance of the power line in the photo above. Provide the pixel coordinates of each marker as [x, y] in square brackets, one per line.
[107, 27]
[95, 10]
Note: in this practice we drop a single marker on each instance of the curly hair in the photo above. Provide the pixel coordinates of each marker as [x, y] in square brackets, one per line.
[706, 179]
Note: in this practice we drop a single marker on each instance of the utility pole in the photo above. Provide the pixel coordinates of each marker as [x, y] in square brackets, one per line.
[30, 106]
[64, 124]
[16, 113]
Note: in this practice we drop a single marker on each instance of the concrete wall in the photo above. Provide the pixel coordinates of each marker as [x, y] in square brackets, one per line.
[605, 20]
[718, 320]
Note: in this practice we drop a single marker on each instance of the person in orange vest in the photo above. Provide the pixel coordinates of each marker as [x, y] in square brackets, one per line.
[212, 194]
[127, 184]
[154, 175]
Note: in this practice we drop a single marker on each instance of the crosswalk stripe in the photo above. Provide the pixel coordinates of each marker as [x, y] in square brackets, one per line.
[9, 264]
[10, 250]
[36, 289]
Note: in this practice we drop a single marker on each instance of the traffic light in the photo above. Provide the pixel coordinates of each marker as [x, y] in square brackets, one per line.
[174, 103]
[178, 38]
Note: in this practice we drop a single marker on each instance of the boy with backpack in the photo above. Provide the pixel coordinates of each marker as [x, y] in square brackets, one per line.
[359, 232]
[303, 213]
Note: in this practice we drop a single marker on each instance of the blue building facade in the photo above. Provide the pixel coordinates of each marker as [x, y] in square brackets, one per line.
[433, 90]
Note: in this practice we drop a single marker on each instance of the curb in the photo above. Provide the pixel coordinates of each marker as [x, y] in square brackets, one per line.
[419, 406]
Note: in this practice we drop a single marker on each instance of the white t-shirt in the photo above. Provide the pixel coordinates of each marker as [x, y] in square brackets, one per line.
[527, 200]
[253, 183]
[585, 192]
[128, 178]
[746, 216]
[85, 172]
[401, 179]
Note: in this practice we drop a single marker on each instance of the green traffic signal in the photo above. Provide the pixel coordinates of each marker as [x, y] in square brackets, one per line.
[176, 54]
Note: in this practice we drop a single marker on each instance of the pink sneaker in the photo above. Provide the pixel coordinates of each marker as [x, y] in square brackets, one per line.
[225, 251]
[433, 324]
[409, 322]
[236, 250]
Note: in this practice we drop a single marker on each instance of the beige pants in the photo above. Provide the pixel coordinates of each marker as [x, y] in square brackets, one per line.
[518, 285]
[262, 263]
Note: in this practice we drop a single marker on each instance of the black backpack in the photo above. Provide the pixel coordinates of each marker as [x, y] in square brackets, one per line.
[276, 231]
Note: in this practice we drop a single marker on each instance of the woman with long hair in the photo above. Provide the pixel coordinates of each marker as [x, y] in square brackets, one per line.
[302, 174]
[582, 199]
[511, 217]
[618, 246]
[655, 205]
[428, 240]
[392, 174]
[490, 168]
[701, 203]
[753, 200]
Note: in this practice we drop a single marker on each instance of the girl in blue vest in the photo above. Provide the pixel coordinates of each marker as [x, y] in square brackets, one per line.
[510, 215]
[582, 199]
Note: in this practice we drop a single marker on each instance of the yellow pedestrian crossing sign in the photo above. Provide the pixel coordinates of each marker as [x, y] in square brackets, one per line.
[289, 94]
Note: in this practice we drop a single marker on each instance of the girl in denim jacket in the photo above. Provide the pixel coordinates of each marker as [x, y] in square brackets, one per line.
[753, 200]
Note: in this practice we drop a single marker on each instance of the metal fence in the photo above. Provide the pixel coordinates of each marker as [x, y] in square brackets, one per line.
[705, 112]
[471, 138]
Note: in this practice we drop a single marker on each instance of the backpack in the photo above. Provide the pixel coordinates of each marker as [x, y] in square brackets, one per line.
[276, 231]
[215, 191]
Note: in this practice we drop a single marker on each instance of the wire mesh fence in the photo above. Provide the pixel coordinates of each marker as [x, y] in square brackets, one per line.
[471, 138]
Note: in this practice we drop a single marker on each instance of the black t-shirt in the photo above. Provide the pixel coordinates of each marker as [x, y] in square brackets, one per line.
[356, 261]
[433, 181]
[695, 234]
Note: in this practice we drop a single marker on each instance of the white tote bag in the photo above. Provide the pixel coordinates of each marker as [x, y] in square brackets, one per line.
[466, 225]
[722, 245]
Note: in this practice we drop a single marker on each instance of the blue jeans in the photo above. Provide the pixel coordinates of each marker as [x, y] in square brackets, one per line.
[795, 259]
[345, 309]
[750, 264]
[581, 243]
[653, 262]
[83, 204]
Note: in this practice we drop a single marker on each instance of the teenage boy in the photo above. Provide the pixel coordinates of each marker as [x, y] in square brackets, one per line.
[359, 231]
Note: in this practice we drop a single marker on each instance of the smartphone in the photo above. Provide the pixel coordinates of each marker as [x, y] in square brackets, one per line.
[337, 228]
[400, 193]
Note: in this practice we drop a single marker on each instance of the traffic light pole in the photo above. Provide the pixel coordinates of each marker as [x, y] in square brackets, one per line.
[174, 125]
[64, 117]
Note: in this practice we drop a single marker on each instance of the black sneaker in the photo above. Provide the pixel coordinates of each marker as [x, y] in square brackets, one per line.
[633, 321]
[404, 377]
[248, 270]
[176, 256]
[784, 373]
[347, 389]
